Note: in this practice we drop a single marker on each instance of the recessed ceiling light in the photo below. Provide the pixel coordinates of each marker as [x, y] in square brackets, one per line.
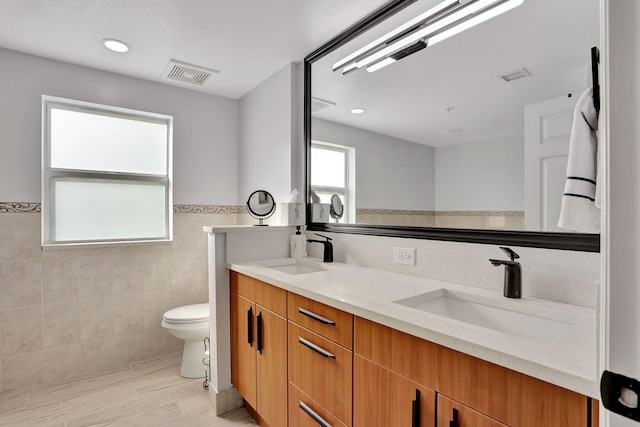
[115, 45]
[357, 110]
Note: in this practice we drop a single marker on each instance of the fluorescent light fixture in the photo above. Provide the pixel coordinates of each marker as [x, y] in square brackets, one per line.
[357, 110]
[481, 17]
[390, 35]
[445, 20]
[380, 64]
[424, 32]
[115, 45]
[419, 45]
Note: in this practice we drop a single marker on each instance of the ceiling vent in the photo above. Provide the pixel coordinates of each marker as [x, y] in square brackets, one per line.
[515, 74]
[318, 104]
[187, 73]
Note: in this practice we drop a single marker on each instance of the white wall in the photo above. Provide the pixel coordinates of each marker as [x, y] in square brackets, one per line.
[622, 236]
[270, 137]
[391, 173]
[564, 276]
[483, 175]
[205, 126]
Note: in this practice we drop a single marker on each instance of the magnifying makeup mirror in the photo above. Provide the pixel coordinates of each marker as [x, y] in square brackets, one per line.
[261, 206]
[336, 208]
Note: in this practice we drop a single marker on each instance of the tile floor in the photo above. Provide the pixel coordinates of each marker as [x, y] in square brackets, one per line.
[151, 393]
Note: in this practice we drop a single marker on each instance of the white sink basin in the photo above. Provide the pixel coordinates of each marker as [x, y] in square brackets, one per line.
[504, 316]
[297, 268]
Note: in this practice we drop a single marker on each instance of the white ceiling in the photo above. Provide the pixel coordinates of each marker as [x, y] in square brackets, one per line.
[246, 40]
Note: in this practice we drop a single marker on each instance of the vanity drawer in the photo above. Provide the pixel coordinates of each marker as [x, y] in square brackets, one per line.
[269, 297]
[322, 319]
[306, 412]
[321, 369]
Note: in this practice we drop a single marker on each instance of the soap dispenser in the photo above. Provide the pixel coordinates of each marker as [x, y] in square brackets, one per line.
[298, 245]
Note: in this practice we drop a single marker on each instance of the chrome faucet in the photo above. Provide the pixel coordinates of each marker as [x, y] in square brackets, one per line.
[512, 274]
[328, 247]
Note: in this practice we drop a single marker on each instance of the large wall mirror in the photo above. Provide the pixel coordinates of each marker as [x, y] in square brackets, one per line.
[464, 139]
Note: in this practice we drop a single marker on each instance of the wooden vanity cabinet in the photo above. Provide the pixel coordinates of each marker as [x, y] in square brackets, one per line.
[383, 398]
[259, 347]
[503, 395]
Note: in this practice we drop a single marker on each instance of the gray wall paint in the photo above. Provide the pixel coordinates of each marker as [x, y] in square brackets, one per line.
[391, 173]
[481, 176]
[267, 136]
[204, 139]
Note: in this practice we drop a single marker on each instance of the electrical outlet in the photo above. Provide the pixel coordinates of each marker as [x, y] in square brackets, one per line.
[406, 256]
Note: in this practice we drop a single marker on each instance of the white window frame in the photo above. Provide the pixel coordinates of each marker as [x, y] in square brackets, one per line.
[49, 172]
[348, 191]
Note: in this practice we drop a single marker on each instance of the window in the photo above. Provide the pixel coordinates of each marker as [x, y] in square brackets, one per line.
[106, 175]
[333, 172]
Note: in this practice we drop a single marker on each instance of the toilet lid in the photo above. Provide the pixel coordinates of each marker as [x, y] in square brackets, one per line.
[188, 313]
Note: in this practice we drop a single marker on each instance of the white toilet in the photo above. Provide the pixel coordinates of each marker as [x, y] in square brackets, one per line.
[191, 324]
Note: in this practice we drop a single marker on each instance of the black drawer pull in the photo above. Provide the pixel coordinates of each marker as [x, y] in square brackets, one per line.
[315, 348]
[259, 325]
[317, 418]
[454, 421]
[250, 326]
[415, 413]
[316, 317]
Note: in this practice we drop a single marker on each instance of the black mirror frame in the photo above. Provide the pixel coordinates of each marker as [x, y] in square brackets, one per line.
[548, 240]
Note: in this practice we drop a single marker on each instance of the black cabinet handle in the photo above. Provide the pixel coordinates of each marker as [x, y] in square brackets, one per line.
[250, 326]
[316, 317]
[259, 325]
[315, 348]
[454, 421]
[415, 410]
[317, 418]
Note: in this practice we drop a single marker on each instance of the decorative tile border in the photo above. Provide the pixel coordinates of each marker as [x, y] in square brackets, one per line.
[18, 207]
[208, 209]
[366, 211]
[22, 207]
[481, 213]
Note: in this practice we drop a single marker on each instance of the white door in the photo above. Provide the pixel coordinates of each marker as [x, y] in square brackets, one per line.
[620, 350]
[547, 129]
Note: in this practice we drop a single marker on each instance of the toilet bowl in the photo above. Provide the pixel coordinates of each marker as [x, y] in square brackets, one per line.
[191, 324]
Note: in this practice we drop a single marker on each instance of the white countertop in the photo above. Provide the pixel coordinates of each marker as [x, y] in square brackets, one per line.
[568, 361]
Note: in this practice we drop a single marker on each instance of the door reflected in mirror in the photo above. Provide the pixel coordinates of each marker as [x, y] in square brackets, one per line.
[471, 132]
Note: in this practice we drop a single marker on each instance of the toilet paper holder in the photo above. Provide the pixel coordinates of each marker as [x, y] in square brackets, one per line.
[206, 361]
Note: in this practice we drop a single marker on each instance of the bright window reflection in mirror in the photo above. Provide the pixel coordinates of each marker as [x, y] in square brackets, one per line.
[333, 172]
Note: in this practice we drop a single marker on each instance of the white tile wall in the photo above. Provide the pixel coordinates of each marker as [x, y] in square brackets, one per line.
[564, 276]
[69, 312]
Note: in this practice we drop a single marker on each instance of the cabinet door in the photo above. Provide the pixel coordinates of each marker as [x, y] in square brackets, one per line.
[243, 355]
[271, 364]
[454, 414]
[383, 398]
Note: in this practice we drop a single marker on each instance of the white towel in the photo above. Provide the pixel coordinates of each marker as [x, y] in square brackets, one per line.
[580, 208]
